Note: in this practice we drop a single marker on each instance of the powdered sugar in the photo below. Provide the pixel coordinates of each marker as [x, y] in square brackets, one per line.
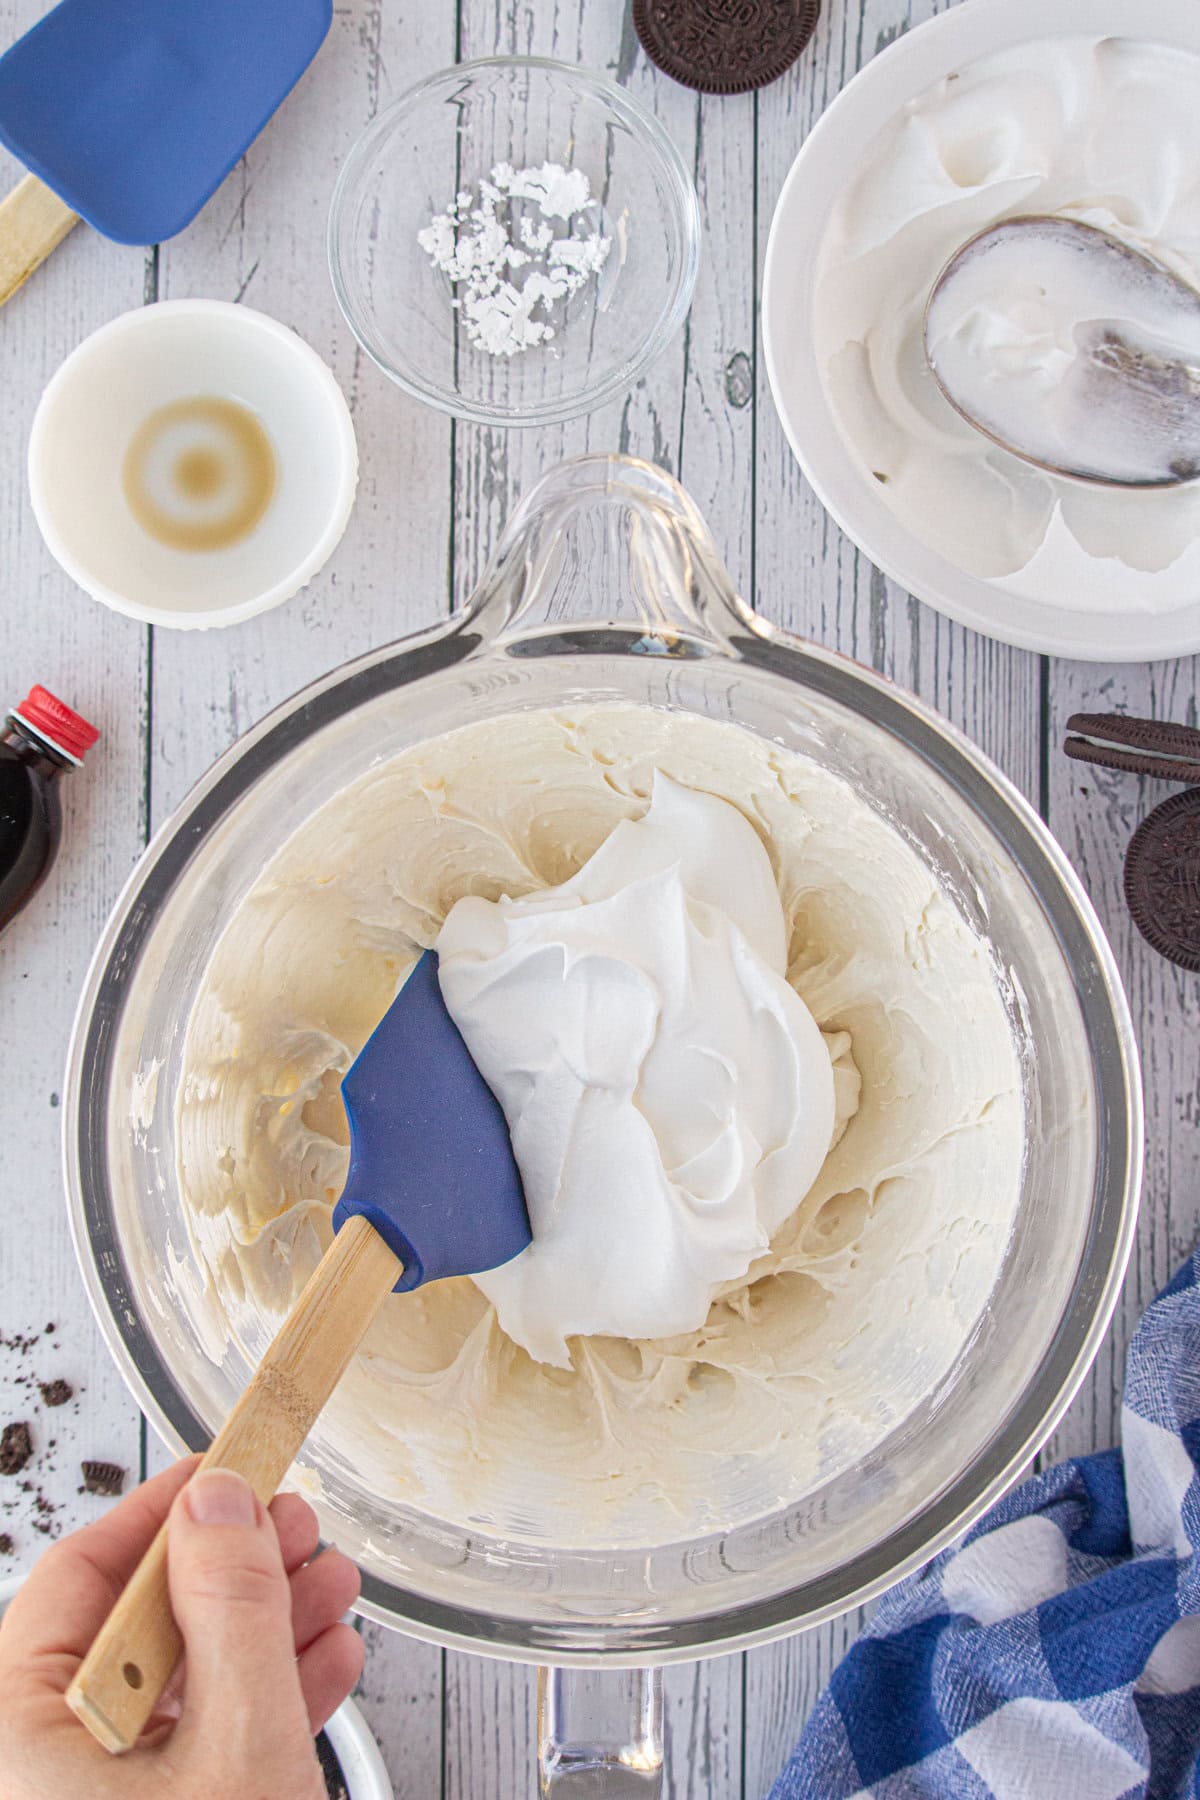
[472, 243]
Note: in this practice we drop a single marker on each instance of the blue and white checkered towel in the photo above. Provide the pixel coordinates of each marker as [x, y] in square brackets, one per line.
[1056, 1654]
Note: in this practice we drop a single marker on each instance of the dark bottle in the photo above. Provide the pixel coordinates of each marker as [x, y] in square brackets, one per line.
[39, 740]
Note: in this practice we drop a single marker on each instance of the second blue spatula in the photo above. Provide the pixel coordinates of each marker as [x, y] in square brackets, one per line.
[432, 1191]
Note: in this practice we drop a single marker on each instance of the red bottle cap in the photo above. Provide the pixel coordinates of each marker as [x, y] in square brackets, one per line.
[57, 724]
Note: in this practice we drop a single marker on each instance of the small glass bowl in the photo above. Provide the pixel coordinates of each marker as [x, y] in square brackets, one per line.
[446, 135]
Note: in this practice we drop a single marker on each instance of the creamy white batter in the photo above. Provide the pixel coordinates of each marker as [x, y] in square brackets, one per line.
[668, 1094]
[1104, 130]
[868, 1290]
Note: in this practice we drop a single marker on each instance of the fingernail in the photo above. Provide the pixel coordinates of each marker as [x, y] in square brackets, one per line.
[219, 1497]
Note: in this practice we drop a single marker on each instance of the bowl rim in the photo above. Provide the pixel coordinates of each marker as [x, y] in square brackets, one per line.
[359, 161]
[314, 368]
[358, 1754]
[739, 1624]
[828, 160]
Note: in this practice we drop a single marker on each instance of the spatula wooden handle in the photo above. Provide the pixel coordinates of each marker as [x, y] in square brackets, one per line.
[121, 1677]
[33, 222]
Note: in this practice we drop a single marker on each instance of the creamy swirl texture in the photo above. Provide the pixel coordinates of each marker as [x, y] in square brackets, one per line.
[851, 1315]
[1104, 130]
[670, 1097]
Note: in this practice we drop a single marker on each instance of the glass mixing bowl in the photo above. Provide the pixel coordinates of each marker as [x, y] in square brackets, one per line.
[446, 135]
[607, 587]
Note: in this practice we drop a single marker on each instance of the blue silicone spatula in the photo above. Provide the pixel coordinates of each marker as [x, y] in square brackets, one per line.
[432, 1191]
[129, 113]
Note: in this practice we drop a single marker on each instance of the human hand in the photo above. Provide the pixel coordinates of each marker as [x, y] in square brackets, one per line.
[266, 1661]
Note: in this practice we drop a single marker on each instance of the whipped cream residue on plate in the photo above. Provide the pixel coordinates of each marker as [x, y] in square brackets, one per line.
[669, 1096]
[1106, 130]
[869, 1289]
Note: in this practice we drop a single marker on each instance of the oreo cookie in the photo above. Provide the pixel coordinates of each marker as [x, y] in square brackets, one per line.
[1162, 879]
[724, 46]
[1136, 746]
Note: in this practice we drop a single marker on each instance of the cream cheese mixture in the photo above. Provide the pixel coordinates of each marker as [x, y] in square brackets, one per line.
[1104, 130]
[871, 1282]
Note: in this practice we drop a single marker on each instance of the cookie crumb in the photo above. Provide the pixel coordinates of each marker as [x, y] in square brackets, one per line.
[103, 1478]
[56, 1393]
[16, 1448]
[6, 1544]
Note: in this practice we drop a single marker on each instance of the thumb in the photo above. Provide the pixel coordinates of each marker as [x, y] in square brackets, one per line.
[231, 1598]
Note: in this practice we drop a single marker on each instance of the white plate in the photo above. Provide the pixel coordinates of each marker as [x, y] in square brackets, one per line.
[826, 165]
[177, 350]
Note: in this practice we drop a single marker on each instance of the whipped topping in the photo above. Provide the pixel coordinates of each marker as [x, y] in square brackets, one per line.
[866, 1294]
[1104, 130]
[670, 1097]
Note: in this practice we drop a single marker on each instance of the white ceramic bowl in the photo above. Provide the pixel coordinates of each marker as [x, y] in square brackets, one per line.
[359, 1755]
[147, 359]
[828, 163]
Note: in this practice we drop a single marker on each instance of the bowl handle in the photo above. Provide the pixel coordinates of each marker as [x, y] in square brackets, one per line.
[600, 1733]
[610, 540]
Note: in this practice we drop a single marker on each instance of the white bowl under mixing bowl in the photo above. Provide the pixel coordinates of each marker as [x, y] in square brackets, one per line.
[358, 1755]
[123, 374]
[831, 159]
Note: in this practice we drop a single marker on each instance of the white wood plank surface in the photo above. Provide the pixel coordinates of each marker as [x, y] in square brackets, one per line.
[49, 632]
[1094, 813]
[431, 501]
[810, 577]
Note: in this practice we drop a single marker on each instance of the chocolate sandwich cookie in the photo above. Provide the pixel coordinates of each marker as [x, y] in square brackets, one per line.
[724, 46]
[1136, 746]
[1162, 879]
[1162, 863]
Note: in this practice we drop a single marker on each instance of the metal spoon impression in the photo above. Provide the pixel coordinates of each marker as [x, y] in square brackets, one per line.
[1071, 349]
